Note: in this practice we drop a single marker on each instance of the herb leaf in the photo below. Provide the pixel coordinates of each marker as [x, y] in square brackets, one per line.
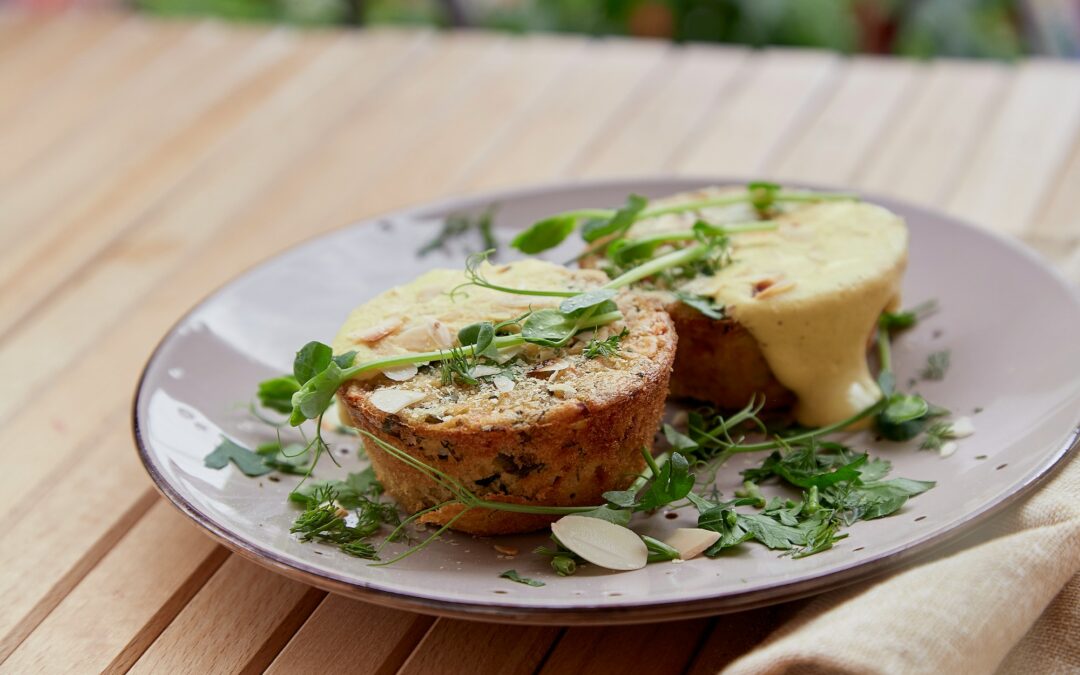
[702, 304]
[606, 347]
[250, 463]
[937, 364]
[672, 483]
[276, 393]
[545, 234]
[619, 223]
[512, 575]
[596, 297]
[311, 360]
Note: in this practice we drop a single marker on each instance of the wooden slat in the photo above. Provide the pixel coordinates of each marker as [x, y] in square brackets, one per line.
[58, 44]
[242, 171]
[1021, 153]
[733, 635]
[237, 623]
[368, 639]
[118, 609]
[466, 132]
[760, 115]
[75, 99]
[663, 116]
[1059, 217]
[832, 144]
[647, 648]
[925, 152]
[454, 647]
[568, 117]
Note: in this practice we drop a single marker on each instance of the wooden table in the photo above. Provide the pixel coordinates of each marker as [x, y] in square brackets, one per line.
[143, 164]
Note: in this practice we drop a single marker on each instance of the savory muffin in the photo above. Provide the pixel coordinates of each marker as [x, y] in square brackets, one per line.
[796, 305]
[531, 425]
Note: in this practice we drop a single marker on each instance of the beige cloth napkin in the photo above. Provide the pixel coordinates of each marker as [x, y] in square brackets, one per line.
[1010, 604]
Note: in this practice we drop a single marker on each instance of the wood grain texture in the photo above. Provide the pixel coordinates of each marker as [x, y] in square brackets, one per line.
[761, 114]
[618, 650]
[232, 624]
[117, 610]
[453, 647]
[371, 640]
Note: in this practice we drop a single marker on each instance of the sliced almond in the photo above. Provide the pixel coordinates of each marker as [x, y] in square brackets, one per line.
[602, 543]
[415, 338]
[506, 550]
[440, 334]
[961, 427]
[390, 400]
[948, 448]
[774, 290]
[562, 390]
[691, 542]
[549, 368]
[503, 384]
[378, 331]
[485, 371]
[401, 373]
[506, 355]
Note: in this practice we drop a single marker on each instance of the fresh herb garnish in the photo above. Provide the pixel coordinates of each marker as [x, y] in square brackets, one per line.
[898, 321]
[937, 364]
[459, 225]
[607, 347]
[250, 463]
[512, 575]
[705, 305]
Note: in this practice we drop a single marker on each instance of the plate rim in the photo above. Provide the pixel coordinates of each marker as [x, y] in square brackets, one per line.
[642, 612]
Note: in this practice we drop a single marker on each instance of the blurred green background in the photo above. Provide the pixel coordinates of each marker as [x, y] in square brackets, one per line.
[1000, 29]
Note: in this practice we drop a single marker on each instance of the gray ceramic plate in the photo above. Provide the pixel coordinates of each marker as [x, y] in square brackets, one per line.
[1010, 323]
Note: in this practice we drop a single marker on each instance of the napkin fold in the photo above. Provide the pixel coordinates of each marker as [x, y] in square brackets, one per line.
[1009, 604]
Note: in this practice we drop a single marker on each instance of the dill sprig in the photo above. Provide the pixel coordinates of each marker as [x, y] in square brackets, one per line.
[608, 347]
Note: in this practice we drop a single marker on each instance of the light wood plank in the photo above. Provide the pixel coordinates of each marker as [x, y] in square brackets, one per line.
[927, 149]
[102, 491]
[663, 116]
[63, 40]
[468, 129]
[115, 362]
[1059, 217]
[118, 609]
[831, 145]
[455, 647]
[236, 623]
[160, 245]
[568, 117]
[77, 97]
[181, 157]
[369, 639]
[208, 65]
[647, 648]
[1024, 149]
[761, 114]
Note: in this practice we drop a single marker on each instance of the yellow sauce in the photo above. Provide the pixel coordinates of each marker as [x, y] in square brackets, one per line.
[810, 293]
[422, 315]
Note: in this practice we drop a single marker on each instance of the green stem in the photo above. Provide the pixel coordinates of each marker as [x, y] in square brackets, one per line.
[656, 265]
[807, 435]
[728, 200]
[884, 350]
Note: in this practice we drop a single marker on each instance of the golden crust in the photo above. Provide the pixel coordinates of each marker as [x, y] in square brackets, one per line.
[719, 362]
[529, 445]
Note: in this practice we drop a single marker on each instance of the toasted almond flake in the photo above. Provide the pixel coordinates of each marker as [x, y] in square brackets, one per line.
[401, 373]
[775, 289]
[441, 335]
[415, 338]
[378, 331]
[506, 550]
[948, 448]
[562, 390]
[550, 367]
[505, 355]
[484, 371]
[602, 543]
[391, 400]
[961, 427]
[691, 542]
[503, 384]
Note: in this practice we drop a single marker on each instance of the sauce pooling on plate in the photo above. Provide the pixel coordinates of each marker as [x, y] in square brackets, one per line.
[810, 292]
